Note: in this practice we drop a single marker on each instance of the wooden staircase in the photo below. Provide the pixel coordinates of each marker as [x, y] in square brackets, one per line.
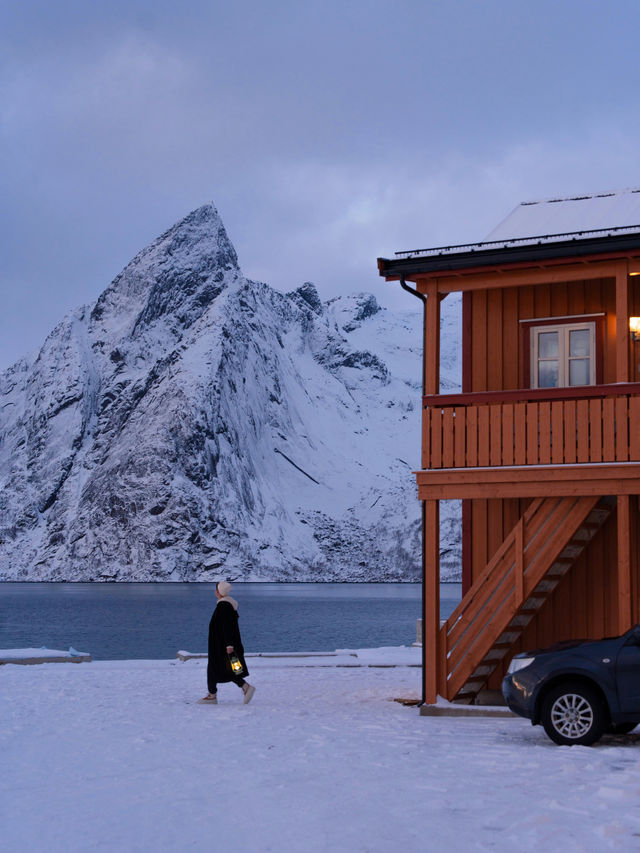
[525, 570]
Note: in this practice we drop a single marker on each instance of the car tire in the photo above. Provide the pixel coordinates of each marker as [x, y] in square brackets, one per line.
[574, 714]
[621, 728]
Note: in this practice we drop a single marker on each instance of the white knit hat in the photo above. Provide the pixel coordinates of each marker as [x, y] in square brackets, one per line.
[223, 587]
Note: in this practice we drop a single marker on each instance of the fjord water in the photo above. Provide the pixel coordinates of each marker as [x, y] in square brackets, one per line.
[118, 621]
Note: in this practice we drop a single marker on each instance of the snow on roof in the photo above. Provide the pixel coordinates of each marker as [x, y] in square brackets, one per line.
[553, 220]
[572, 215]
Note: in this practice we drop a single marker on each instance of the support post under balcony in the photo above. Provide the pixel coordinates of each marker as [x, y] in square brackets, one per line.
[625, 559]
[431, 601]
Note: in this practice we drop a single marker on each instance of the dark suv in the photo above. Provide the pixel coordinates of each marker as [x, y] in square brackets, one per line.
[578, 690]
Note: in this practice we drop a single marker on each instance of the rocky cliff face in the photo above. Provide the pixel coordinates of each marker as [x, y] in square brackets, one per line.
[193, 424]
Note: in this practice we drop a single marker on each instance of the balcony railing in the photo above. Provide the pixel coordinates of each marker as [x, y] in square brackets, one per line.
[560, 426]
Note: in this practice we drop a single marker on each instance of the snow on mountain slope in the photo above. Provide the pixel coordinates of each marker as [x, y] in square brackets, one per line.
[193, 423]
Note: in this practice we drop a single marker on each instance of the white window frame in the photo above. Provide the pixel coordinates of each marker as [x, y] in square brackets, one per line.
[563, 330]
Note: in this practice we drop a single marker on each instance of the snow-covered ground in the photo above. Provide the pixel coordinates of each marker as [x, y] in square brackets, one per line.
[117, 756]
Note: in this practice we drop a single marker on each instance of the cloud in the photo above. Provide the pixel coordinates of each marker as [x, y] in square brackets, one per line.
[327, 134]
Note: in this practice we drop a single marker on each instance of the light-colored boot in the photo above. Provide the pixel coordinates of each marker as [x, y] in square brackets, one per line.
[248, 690]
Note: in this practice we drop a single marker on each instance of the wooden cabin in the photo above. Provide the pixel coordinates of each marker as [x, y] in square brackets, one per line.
[543, 444]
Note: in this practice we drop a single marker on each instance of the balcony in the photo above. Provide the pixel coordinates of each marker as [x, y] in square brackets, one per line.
[559, 426]
[517, 443]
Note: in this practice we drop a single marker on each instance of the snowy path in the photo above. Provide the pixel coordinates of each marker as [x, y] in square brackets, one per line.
[115, 756]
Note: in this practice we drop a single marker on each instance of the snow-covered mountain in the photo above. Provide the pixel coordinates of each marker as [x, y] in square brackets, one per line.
[195, 424]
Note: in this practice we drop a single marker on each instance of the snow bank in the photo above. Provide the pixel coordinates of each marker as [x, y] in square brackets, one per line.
[118, 756]
[43, 655]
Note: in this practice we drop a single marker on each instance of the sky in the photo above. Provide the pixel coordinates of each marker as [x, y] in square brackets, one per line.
[326, 133]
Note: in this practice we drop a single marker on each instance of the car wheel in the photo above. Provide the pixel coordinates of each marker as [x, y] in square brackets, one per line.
[621, 728]
[573, 713]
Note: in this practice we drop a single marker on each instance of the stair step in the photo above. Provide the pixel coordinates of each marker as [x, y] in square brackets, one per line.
[547, 585]
[520, 620]
[599, 516]
[496, 653]
[480, 673]
[508, 637]
[571, 551]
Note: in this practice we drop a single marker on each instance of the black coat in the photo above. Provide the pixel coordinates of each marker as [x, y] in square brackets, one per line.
[223, 632]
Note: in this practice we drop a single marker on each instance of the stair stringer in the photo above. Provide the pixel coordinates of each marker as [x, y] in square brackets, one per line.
[544, 544]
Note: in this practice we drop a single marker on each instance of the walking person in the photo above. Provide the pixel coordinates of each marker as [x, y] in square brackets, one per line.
[225, 644]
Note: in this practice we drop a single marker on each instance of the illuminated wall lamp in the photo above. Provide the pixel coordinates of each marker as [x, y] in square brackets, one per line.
[634, 328]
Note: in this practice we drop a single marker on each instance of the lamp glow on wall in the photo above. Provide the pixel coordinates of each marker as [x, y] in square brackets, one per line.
[634, 328]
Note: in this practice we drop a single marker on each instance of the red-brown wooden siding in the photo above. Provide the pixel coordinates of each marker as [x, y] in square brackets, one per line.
[584, 604]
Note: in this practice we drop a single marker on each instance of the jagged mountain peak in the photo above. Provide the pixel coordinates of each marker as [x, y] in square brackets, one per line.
[195, 423]
[180, 274]
[351, 310]
[307, 296]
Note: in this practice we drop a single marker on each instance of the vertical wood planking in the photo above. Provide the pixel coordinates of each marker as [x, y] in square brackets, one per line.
[447, 437]
[622, 429]
[460, 437]
[544, 415]
[608, 430]
[542, 300]
[472, 436]
[480, 555]
[426, 438]
[604, 299]
[559, 300]
[508, 444]
[570, 436]
[525, 311]
[495, 526]
[436, 437]
[510, 342]
[622, 324]
[576, 298]
[479, 359]
[532, 434]
[595, 429]
[520, 431]
[582, 414]
[634, 429]
[557, 432]
[483, 436]
[495, 427]
[495, 325]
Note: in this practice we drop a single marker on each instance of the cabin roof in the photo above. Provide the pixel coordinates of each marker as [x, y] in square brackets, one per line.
[571, 215]
[549, 228]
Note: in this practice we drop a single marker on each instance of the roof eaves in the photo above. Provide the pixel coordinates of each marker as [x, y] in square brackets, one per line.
[550, 247]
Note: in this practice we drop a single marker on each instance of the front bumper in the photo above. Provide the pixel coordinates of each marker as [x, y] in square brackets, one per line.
[518, 694]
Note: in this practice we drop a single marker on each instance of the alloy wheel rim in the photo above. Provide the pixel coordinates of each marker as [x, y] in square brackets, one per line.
[572, 715]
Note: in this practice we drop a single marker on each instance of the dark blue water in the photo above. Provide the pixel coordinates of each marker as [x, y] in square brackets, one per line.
[154, 621]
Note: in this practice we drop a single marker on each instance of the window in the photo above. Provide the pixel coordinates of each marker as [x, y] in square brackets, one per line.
[563, 355]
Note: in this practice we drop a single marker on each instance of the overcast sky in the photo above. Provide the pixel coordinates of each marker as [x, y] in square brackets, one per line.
[326, 133]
